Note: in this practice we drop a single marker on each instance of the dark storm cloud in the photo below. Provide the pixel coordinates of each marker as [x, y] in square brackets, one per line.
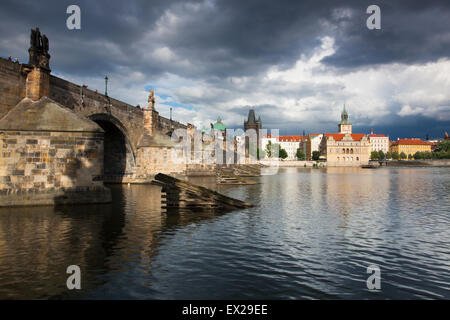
[210, 42]
[411, 32]
[228, 38]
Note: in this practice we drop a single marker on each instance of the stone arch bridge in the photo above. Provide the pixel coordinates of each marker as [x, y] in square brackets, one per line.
[128, 129]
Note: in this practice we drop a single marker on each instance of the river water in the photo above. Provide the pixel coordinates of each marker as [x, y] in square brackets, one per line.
[311, 235]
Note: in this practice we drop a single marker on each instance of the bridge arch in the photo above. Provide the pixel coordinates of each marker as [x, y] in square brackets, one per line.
[119, 152]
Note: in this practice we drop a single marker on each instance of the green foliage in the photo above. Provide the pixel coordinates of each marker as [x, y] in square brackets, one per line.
[374, 155]
[410, 156]
[269, 149]
[395, 155]
[300, 155]
[442, 151]
[403, 156]
[381, 155]
[388, 155]
[443, 146]
[427, 155]
[315, 155]
[282, 153]
[441, 155]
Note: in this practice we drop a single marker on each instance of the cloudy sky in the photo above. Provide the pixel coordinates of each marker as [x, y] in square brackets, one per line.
[295, 62]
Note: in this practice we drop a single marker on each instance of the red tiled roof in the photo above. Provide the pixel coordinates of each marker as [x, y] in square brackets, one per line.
[291, 138]
[410, 142]
[377, 135]
[339, 136]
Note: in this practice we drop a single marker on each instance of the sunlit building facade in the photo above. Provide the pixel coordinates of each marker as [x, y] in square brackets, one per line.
[410, 146]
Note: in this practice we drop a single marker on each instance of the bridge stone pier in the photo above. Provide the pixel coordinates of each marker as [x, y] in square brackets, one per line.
[60, 141]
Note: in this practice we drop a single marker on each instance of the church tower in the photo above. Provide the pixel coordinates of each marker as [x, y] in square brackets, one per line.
[345, 126]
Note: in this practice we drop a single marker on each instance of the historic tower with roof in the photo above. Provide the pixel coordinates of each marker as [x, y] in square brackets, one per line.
[345, 126]
[252, 123]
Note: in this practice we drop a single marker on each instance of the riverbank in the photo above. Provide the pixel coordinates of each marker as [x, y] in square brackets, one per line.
[292, 163]
[419, 163]
[392, 163]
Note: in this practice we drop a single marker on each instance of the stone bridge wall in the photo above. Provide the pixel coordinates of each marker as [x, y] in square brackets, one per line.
[130, 118]
[12, 85]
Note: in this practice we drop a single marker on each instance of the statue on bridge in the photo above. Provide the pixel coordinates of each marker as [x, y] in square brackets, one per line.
[151, 100]
[39, 46]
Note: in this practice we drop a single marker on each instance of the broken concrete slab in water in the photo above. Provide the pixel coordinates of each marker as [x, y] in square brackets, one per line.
[247, 170]
[181, 194]
[227, 176]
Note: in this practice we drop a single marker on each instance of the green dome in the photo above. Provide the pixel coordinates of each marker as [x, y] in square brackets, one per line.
[219, 126]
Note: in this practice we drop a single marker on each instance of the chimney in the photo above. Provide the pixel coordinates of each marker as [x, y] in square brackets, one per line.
[37, 69]
[371, 130]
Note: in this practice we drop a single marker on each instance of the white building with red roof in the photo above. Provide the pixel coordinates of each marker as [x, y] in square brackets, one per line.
[291, 144]
[378, 142]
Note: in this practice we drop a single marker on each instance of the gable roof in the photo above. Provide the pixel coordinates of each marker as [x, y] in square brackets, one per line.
[340, 136]
[410, 142]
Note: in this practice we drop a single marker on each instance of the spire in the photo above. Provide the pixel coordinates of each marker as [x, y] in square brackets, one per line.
[251, 117]
[344, 116]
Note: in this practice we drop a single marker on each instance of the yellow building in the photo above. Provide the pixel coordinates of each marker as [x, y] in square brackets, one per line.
[410, 146]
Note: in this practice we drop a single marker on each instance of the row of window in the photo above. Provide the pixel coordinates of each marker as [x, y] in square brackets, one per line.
[344, 150]
[347, 159]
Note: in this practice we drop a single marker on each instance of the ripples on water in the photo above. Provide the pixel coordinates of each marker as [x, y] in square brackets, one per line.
[311, 236]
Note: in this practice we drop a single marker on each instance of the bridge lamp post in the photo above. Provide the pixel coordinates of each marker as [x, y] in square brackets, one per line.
[106, 85]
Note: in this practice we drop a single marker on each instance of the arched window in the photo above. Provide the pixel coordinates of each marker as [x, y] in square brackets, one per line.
[343, 150]
[351, 150]
[357, 158]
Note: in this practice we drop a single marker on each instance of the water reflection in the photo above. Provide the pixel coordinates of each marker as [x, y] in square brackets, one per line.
[312, 234]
